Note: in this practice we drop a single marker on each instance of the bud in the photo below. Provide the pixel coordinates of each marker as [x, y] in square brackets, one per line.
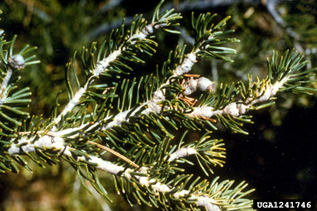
[204, 84]
[17, 62]
[200, 84]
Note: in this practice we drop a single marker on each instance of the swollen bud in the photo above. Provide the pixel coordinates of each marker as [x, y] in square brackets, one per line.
[200, 84]
[17, 62]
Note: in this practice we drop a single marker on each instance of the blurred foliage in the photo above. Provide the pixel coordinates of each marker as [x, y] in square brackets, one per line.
[59, 28]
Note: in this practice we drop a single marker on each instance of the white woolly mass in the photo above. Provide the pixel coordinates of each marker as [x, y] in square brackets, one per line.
[16, 150]
[120, 117]
[114, 169]
[242, 108]
[71, 104]
[106, 165]
[45, 141]
[148, 29]
[201, 84]
[102, 65]
[162, 188]
[181, 193]
[187, 65]
[3, 88]
[204, 84]
[238, 108]
[206, 202]
[158, 95]
[190, 87]
[204, 111]
[182, 152]
[152, 104]
[17, 62]
[274, 88]
[267, 94]
[202, 201]
[157, 186]
[152, 107]
[232, 109]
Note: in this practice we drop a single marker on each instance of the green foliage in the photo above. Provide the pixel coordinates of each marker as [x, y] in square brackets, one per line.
[13, 101]
[144, 119]
[208, 37]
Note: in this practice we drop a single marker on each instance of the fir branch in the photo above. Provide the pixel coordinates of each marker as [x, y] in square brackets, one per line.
[199, 198]
[139, 32]
[233, 103]
[4, 86]
[181, 69]
[137, 119]
[11, 114]
[114, 153]
[182, 152]
[151, 106]
[51, 140]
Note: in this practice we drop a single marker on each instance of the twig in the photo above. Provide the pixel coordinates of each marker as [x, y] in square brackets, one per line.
[90, 142]
[115, 153]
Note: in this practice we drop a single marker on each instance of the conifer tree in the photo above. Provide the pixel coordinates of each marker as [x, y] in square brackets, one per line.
[144, 119]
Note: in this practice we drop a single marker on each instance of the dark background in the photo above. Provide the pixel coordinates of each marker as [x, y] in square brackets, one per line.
[278, 157]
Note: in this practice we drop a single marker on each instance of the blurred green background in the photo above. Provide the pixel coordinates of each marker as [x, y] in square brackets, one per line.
[278, 158]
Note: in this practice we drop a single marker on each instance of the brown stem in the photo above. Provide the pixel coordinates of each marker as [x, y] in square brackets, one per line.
[115, 153]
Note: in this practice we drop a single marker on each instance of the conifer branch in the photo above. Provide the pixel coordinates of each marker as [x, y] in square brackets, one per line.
[234, 102]
[52, 134]
[137, 119]
[115, 153]
[133, 38]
